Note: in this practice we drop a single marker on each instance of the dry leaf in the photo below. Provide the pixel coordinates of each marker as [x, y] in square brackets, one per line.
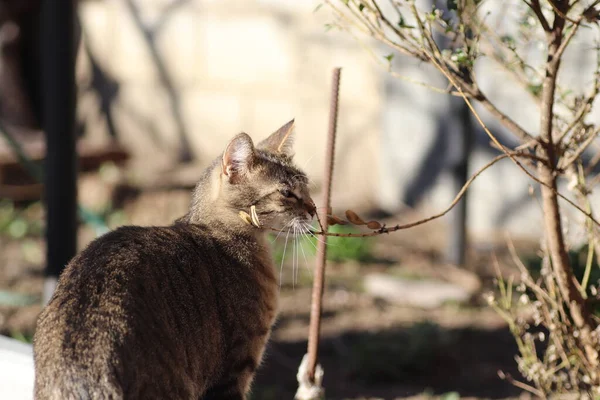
[354, 218]
[333, 220]
[373, 225]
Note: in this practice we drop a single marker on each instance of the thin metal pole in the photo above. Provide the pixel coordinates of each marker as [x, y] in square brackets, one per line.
[58, 96]
[319, 281]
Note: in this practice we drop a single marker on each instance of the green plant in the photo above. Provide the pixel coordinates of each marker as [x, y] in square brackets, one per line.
[550, 355]
[344, 249]
[450, 396]
[22, 337]
[588, 274]
[339, 249]
[20, 222]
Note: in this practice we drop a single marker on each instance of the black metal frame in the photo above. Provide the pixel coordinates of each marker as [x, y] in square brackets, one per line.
[59, 101]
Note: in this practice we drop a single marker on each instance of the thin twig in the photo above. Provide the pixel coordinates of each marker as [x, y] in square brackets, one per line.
[421, 221]
[592, 165]
[568, 37]
[522, 385]
[560, 13]
[566, 162]
[583, 110]
[535, 7]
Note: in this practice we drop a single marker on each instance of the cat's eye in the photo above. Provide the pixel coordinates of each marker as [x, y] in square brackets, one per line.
[286, 193]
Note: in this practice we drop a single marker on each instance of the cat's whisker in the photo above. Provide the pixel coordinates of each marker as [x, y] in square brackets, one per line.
[296, 221]
[304, 254]
[283, 258]
[294, 257]
[310, 227]
[298, 237]
[300, 234]
[307, 161]
[281, 231]
[306, 233]
[318, 238]
[309, 239]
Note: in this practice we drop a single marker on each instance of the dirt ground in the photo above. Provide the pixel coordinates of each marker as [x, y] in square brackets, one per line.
[370, 348]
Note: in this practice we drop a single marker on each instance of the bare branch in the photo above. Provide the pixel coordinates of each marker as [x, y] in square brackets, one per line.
[584, 109]
[537, 9]
[430, 218]
[504, 119]
[424, 220]
[591, 165]
[565, 163]
[521, 385]
[568, 37]
[556, 7]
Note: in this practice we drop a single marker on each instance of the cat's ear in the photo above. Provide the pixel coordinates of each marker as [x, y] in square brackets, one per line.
[238, 157]
[281, 141]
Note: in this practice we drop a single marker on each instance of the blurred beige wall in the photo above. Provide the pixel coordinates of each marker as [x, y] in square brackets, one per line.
[210, 69]
[200, 71]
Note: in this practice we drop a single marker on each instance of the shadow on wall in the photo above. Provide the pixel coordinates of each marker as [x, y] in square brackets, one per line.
[402, 361]
[107, 88]
[443, 150]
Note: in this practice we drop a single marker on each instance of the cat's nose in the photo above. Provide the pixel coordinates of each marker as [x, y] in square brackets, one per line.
[309, 207]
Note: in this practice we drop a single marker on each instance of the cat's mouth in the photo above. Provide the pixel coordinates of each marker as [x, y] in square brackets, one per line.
[310, 208]
[264, 218]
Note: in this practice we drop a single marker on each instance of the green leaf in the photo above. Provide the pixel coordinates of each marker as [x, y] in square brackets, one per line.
[535, 90]
[389, 57]
[17, 228]
[450, 396]
[13, 299]
[509, 41]
[402, 23]
[17, 335]
[361, 7]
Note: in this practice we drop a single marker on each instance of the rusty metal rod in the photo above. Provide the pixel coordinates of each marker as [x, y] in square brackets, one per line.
[319, 281]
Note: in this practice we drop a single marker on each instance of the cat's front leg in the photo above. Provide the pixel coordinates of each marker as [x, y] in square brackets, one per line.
[236, 383]
[225, 391]
[231, 396]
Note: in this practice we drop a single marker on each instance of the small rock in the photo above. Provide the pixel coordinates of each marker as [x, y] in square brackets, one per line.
[16, 369]
[416, 293]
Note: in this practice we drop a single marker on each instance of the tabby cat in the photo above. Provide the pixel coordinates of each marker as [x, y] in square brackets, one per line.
[182, 311]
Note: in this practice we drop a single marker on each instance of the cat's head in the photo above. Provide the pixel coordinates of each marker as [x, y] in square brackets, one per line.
[262, 176]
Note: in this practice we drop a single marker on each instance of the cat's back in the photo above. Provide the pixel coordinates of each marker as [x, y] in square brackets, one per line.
[134, 288]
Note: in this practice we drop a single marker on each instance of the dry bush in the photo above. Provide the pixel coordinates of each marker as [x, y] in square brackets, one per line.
[559, 353]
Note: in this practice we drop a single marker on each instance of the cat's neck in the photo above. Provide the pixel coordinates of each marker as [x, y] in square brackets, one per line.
[207, 208]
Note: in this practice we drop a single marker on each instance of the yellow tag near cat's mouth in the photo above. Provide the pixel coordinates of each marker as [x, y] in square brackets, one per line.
[254, 215]
[246, 217]
[252, 218]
